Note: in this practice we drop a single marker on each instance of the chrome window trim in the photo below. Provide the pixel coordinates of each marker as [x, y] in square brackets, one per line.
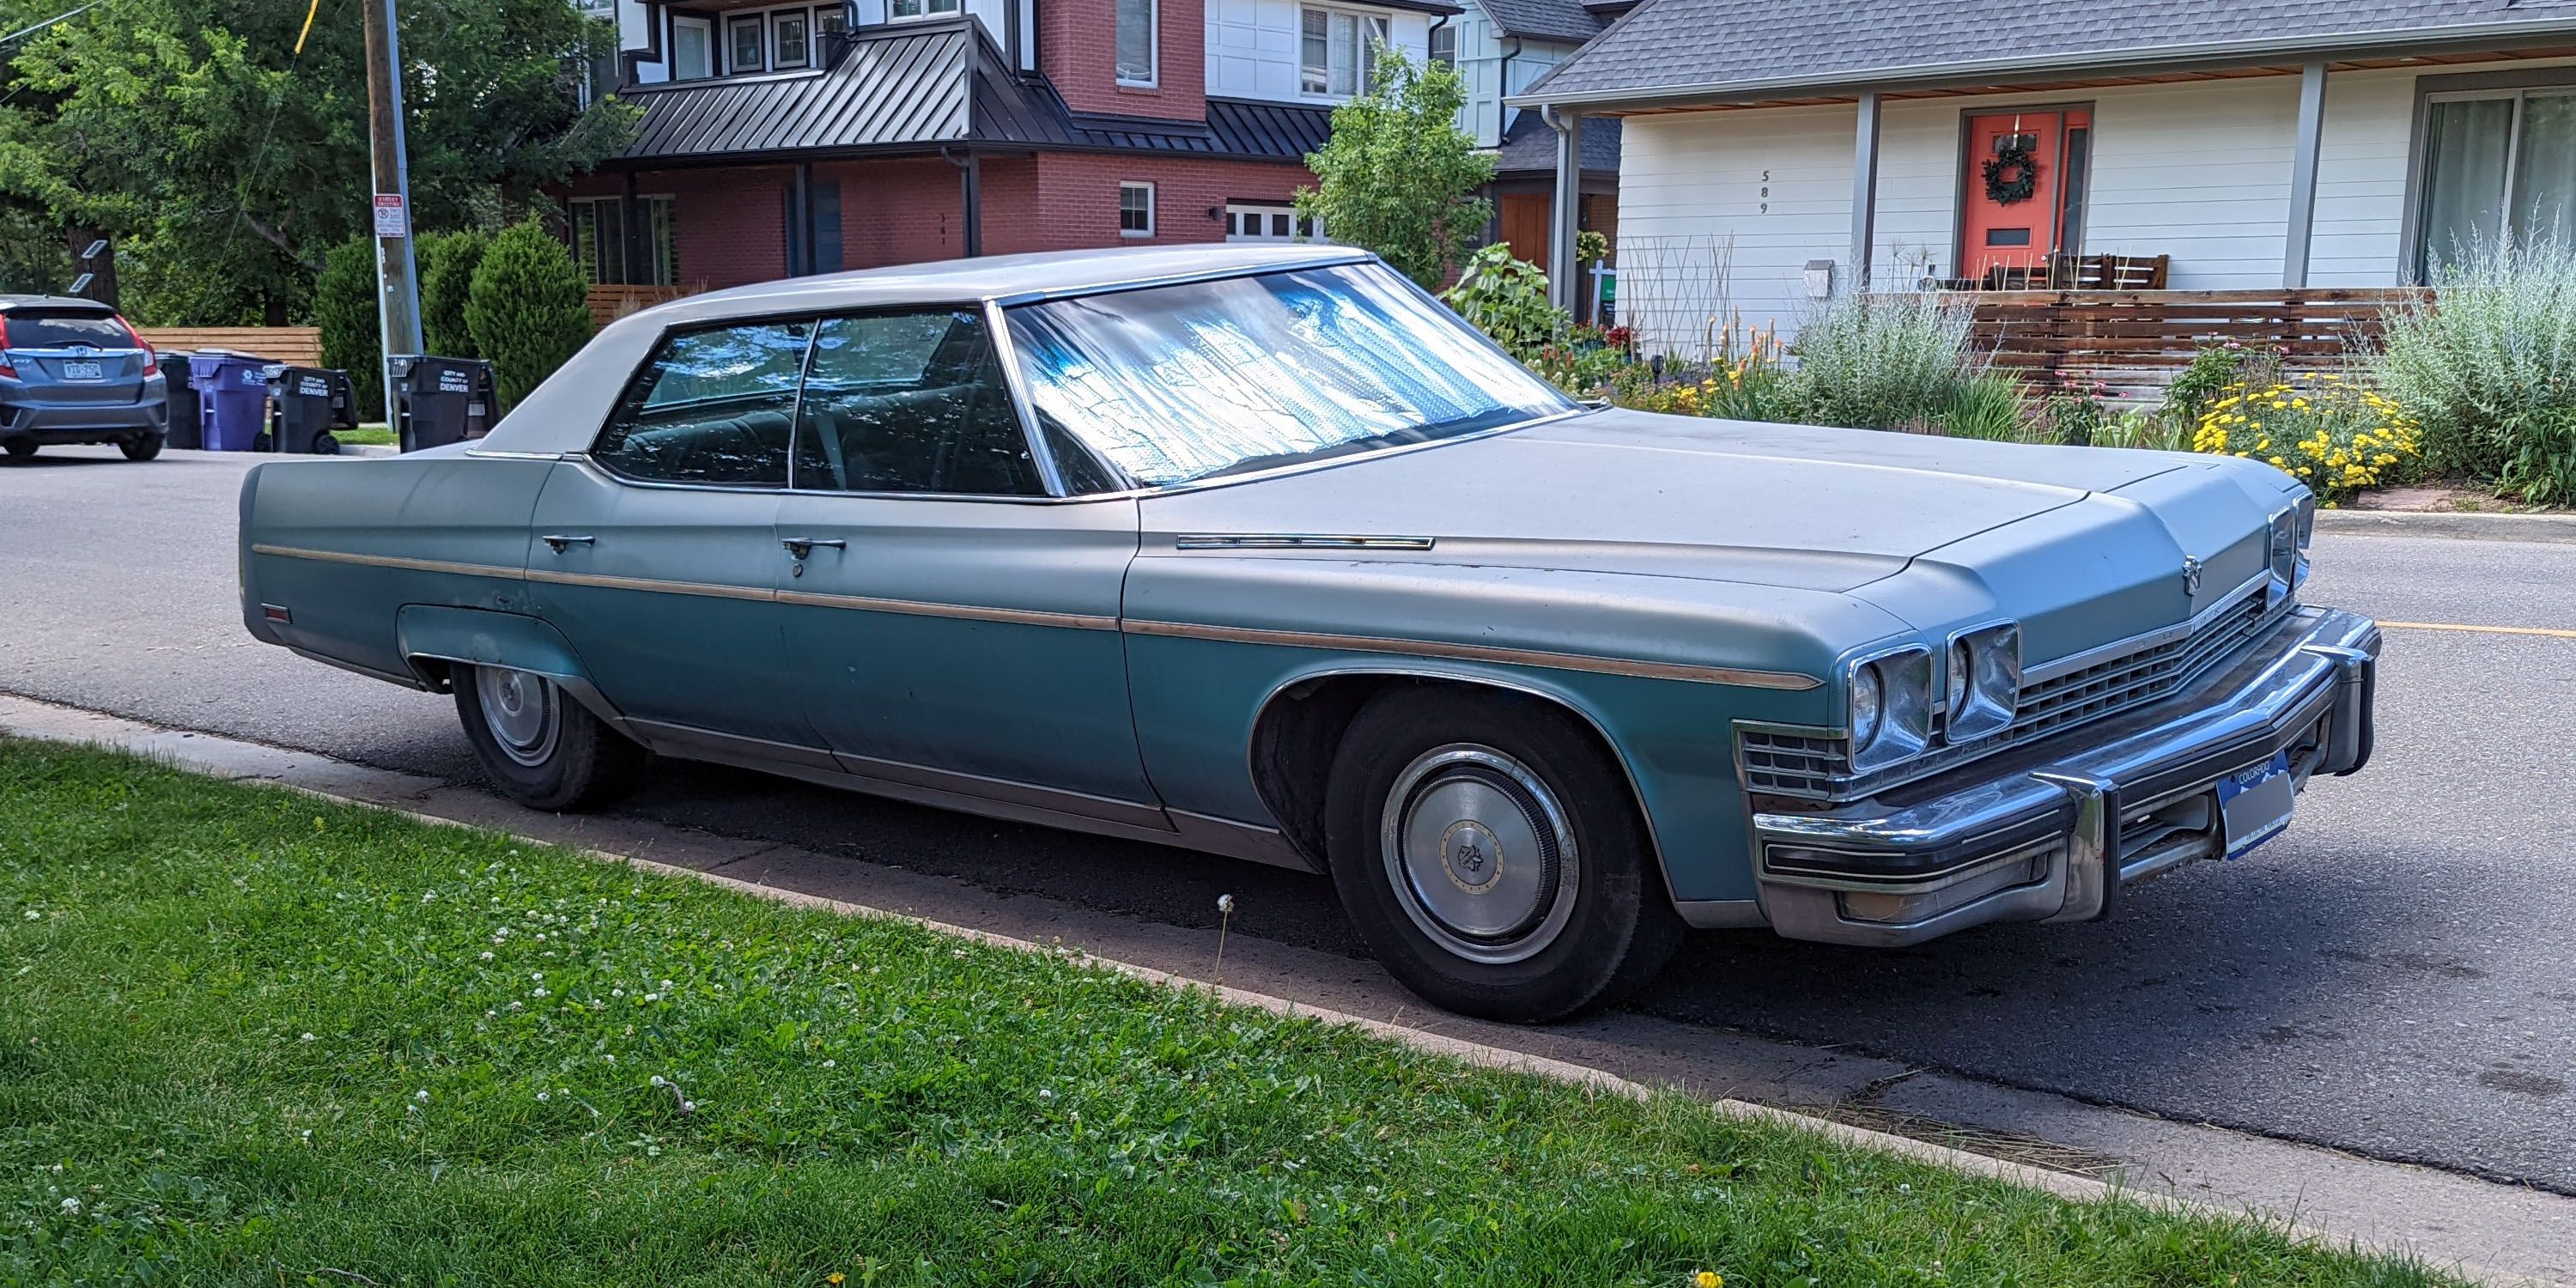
[1295, 541]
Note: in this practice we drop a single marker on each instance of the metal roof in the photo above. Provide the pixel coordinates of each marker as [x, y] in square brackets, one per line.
[928, 85]
[1679, 51]
[1564, 21]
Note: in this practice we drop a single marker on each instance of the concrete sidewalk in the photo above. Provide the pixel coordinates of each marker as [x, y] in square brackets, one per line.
[2498, 1233]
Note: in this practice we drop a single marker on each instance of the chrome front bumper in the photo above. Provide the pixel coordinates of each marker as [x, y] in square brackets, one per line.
[2054, 830]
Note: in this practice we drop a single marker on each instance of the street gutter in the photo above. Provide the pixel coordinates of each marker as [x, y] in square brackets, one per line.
[2483, 1231]
[2465, 525]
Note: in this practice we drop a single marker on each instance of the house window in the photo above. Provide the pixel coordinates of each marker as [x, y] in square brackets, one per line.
[906, 9]
[692, 49]
[1339, 51]
[1135, 210]
[2497, 166]
[746, 38]
[831, 20]
[1136, 42]
[1444, 45]
[1265, 221]
[791, 43]
[608, 256]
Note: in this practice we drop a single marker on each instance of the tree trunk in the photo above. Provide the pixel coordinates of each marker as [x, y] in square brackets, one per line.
[102, 285]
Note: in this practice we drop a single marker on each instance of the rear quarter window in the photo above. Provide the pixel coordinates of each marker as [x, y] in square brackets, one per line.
[62, 330]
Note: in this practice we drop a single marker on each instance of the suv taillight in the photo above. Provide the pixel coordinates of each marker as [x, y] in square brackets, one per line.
[8, 369]
[151, 360]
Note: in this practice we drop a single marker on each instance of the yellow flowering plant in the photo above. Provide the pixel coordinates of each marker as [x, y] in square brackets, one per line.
[2336, 435]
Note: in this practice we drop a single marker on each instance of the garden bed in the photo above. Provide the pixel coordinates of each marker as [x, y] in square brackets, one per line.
[250, 1038]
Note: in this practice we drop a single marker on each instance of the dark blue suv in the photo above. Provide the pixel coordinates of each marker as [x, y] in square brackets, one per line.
[72, 371]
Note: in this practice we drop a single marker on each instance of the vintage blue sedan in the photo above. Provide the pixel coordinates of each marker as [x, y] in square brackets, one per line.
[1261, 552]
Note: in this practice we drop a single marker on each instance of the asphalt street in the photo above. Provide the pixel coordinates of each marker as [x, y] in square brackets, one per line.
[2396, 977]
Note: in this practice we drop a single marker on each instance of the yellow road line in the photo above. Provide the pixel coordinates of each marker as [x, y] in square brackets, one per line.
[2490, 630]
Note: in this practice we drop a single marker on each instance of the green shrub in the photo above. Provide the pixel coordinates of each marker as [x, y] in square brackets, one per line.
[527, 308]
[344, 307]
[2488, 364]
[1882, 361]
[2332, 433]
[1506, 298]
[2543, 466]
[2158, 431]
[2215, 367]
[447, 264]
[1990, 406]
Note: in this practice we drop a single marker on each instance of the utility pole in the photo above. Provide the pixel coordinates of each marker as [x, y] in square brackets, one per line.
[397, 277]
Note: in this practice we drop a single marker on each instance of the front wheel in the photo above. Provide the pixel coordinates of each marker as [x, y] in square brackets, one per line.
[141, 447]
[1492, 855]
[544, 749]
[20, 449]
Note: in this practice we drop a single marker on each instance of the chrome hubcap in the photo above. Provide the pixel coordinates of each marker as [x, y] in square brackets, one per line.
[519, 709]
[1480, 853]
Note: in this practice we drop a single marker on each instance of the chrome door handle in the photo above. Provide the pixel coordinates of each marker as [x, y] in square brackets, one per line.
[558, 540]
[803, 546]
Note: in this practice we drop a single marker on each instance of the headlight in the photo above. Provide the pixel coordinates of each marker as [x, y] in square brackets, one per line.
[1983, 680]
[2288, 558]
[1891, 706]
[2307, 520]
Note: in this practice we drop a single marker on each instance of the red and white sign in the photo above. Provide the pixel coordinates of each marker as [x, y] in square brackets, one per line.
[390, 220]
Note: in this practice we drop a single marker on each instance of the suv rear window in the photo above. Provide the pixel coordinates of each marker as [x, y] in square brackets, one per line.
[60, 330]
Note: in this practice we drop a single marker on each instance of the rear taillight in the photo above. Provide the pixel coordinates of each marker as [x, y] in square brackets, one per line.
[8, 369]
[151, 360]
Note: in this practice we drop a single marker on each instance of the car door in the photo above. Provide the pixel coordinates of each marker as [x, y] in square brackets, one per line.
[657, 552]
[948, 623]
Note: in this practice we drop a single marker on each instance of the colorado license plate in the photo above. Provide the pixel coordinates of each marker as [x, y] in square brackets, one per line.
[2254, 804]
[84, 371]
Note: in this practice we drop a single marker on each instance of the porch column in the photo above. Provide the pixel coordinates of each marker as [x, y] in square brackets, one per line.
[1565, 213]
[1864, 208]
[636, 253]
[2303, 175]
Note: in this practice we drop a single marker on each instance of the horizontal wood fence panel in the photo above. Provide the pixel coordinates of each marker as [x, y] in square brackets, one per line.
[299, 346]
[2134, 341]
[610, 302]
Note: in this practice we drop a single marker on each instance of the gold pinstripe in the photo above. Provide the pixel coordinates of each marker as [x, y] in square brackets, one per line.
[1479, 653]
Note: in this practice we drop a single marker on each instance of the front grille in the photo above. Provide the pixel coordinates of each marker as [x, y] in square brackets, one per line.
[1780, 761]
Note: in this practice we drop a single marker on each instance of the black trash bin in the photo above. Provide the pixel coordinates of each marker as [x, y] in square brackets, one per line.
[310, 403]
[444, 400]
[187, 430]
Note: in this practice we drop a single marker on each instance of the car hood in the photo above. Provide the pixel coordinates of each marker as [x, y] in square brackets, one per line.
[1625, 491]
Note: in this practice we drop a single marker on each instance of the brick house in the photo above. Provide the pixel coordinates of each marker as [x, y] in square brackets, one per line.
[781, 140]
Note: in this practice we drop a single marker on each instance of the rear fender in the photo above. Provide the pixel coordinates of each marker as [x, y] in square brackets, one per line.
[434, 635]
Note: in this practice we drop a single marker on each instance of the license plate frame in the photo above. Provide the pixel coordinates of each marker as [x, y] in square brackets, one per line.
[84, 369]
[2255, 804]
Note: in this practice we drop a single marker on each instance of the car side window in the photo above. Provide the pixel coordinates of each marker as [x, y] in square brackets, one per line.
[715, 406]
[910, 402]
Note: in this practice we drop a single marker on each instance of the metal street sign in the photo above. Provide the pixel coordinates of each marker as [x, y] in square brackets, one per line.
[390, 220]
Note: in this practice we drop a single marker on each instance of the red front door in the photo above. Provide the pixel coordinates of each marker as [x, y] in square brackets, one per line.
[1999, 227]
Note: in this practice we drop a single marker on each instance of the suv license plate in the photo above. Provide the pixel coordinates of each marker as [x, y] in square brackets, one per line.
[2255, 803]
[84, 371]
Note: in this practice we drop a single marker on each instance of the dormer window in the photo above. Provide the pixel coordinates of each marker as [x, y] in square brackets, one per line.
[906, 10]
[745, 42]
[1339, 51]
[791, 43]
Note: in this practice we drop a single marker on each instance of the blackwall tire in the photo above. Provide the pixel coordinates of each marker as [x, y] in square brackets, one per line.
[1492, 856]
[543, 749]
[142, 447]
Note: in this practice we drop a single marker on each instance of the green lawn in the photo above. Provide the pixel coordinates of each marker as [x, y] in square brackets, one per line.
[249, 1038]
[371, 435]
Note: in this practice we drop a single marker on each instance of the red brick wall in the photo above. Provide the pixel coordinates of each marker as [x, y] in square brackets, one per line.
[1078, 50]
[1078, 196]
[728, 227]
[1011, 217]
[898, 212]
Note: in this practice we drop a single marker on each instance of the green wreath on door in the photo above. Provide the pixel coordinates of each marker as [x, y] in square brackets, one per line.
[2012, 175]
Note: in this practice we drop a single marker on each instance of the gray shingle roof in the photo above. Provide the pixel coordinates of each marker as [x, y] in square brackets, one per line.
[1531, 146]
[1717, 49]
[1559, 20]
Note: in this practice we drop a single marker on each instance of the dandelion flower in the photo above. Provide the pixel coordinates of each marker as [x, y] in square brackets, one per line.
[1225, 904]
[1708, 1279]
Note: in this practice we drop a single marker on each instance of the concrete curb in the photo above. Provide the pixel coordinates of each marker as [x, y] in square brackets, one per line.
[2458, 525]
[343, 783]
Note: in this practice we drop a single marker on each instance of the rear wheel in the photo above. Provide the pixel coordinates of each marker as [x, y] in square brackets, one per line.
[1493, 857]
[21, 448]
[141, 447]
[544, 749]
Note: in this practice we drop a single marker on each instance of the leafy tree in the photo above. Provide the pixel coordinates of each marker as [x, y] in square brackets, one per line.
[1398, 176]
[224, 165]
[528, 308]
[447, 264]
[344, 306]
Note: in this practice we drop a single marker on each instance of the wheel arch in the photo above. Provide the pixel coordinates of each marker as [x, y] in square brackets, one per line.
[436, 638]
[1301, 719]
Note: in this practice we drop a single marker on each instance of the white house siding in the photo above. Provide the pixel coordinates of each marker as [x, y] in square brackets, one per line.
[1252, 46]
[2196, 170]
[1481, 65]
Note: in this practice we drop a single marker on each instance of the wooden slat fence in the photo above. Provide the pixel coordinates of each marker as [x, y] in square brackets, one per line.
[295, 345]
[609, 303]
[2136, 341]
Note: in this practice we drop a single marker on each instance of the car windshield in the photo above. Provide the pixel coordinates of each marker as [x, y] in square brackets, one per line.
[1191, 381]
